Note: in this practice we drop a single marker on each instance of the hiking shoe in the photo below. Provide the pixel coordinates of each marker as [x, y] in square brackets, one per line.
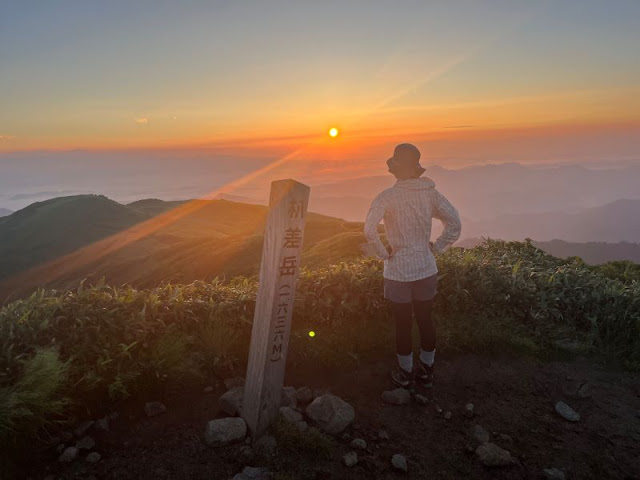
[424, 374]
[402, 378]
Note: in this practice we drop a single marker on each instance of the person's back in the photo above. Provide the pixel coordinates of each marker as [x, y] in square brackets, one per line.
[410, 280]
[407, 209]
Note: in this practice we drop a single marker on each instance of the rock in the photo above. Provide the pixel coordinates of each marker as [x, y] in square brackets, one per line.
[83, 428]
[585, 390]
[93, 457]
[85, 443]
[224, 431]
[359, 443]
[103, 424]
[231, 401]
[469, 409]
[350, 459]
[383, 435]
[447, 415]
[399, 462]
[399, 396]
[553, 474]
[153, 409]
[290, 415]
[208, 389]
[234, 382]
[492, 455]
[266, 445]
[69, 455]
[318, 392]
[480, 434]
[304, 395]
[421, 399]
[253, 473]
[289, 397]
[302, 426]
[566, 412]
[346, 436]
[331, 413]
[60, 448]
[503, 437]
[247, 453]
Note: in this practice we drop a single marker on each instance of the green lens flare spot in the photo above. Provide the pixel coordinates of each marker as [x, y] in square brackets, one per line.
[312, 333]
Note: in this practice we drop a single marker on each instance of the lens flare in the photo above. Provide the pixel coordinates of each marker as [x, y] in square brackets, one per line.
[312, 334]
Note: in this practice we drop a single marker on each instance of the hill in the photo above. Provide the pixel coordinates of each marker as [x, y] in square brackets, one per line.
[46, 230]
[143, 243]
[591, 252]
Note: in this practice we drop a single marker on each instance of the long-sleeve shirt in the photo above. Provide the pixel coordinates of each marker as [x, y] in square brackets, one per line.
[407, 209]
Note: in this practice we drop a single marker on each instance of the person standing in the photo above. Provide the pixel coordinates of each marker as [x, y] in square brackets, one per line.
[410, 271]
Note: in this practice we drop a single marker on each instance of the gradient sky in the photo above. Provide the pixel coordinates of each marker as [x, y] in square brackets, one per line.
[470, 80]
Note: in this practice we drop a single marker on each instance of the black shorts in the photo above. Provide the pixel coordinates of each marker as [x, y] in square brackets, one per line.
[404, 292]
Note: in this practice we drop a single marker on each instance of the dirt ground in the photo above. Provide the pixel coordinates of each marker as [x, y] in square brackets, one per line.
[512, 396]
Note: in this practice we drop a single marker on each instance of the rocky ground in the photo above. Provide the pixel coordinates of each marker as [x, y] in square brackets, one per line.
[488, 418]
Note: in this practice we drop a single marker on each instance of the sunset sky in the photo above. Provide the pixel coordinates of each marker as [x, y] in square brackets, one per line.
[474, 81]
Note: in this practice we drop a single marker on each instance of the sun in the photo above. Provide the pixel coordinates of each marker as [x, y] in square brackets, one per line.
[333, 132]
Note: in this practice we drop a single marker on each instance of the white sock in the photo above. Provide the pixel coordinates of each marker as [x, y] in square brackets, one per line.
[427, 357]
[406, 362]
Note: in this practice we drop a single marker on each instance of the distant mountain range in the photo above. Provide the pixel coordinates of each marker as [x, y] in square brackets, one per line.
[487, 192]
[4, 212]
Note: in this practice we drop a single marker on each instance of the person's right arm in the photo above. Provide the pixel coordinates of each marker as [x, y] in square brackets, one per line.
[448, 215]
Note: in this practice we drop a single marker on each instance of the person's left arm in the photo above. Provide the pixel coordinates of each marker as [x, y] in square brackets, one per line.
[374, 217]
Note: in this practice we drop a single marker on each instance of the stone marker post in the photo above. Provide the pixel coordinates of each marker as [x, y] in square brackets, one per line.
[274, 304]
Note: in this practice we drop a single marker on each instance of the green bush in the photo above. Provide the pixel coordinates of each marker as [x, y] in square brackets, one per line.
[104, 343]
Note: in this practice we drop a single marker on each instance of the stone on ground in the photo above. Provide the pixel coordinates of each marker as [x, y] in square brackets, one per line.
[399, 462]
[553, 474]
[234, 382]
[359, 443]
[153, 409]
[399, 396]
[421, 399]
[85, 443]
[331, 413]
[289, 397]
[447, 415]
[585, 390]
[224, 431]
[69, 455]
[492, 455]
[103, 424]
[469, 409]
[93, 457]
[304, 395]
[566, 412]
[350, 459]
[253, 473]
[83, 428]
[480, 434]
[383, 435]
[231, 402]
[290, 415]
[302, 426]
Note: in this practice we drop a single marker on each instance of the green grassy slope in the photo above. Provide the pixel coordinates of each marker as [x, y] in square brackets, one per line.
[217, 238]
[46, 230]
